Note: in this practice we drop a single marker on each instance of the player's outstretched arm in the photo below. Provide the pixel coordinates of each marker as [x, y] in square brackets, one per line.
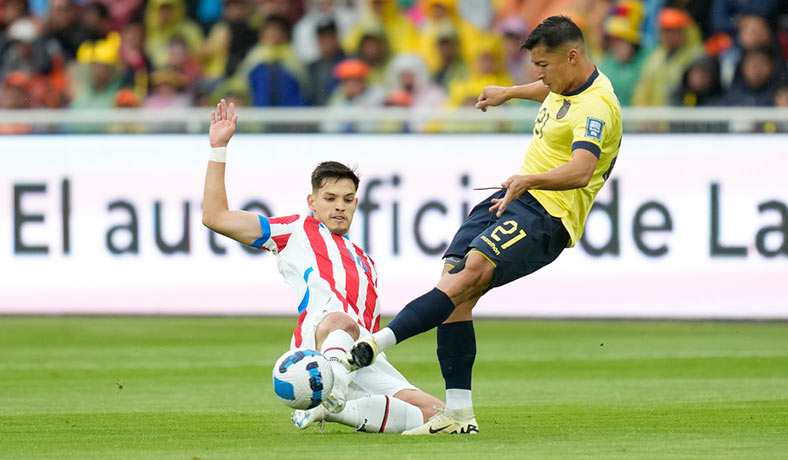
[241, 226]
[575, 173]
[492, 96]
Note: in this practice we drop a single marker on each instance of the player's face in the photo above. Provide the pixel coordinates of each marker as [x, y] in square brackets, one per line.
[554, 67]
[334, 204]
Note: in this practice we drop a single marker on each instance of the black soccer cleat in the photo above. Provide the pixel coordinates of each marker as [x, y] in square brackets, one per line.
[361, 354]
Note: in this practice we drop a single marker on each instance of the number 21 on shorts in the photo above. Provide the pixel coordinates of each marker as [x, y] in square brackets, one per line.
[512, 227]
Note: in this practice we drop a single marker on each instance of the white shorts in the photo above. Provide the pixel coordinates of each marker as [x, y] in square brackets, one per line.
[380, 378]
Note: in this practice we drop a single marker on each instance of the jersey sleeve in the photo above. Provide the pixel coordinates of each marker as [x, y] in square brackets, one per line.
[276, 232]
[589, 125]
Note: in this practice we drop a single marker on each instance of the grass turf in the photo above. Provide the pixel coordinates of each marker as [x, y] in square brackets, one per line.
[199, 388]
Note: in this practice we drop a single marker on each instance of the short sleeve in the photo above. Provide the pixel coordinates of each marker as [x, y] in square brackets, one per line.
[276, 232]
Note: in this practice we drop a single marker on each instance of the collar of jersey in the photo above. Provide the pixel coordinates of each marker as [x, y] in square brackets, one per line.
[585, 85]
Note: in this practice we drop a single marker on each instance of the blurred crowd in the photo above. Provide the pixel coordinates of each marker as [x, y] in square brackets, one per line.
[375, 53]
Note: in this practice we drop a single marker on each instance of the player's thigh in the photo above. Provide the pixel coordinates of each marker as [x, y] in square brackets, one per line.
[477, 220]
[468, 279]
[524, 239]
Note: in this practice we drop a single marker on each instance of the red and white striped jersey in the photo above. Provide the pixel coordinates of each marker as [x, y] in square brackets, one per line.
[328, 271]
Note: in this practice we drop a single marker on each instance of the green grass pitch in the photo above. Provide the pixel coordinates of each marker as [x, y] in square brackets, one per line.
[200, 388]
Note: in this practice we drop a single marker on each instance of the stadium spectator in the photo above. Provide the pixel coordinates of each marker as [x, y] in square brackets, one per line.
[439, 14]
[321, 70]
[753, 32]
[353, 91]
[167, 87]
[37, 56]
[62, 25]
[275, 75]
[725, 13]
[373, 49]
[408, 84]
[120, 12]
[229, 40]
[407, 73]
[661, 74]
[759, 80]
[16, 11]
[451, 66]
[624, 57]
[136, 65]
[487, 69]
[99, 77]
[305, 32]
[401, 34]
[700, 85]
[185, 63]
[94, 23]
[291, 10]
[164, 19]
[513, 29]
[15, 95]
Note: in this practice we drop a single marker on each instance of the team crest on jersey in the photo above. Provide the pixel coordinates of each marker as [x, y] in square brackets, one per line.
[563, 110]
[594, 128]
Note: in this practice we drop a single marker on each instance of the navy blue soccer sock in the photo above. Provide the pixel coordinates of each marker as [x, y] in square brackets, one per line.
[421, 315]
[456, 353]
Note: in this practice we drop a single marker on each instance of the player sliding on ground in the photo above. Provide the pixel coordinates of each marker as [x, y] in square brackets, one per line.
[524, 226]
[336, 281]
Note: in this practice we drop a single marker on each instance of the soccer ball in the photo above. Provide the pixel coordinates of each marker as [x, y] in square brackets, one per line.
[302, 378]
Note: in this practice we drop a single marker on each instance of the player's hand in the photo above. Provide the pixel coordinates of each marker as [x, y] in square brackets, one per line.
[223, 122]
[491, 96]
[515, 186]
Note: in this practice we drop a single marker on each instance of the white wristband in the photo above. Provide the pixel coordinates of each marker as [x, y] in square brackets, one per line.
[218, 154]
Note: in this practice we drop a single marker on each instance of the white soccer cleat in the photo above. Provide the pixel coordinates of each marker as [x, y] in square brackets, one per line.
[303, 419]
[361, 354]
[448, 421]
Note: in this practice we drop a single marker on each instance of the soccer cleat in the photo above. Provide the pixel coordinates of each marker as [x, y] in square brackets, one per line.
[448, 421]
[303, 419]
[361, 354]
[335, 402]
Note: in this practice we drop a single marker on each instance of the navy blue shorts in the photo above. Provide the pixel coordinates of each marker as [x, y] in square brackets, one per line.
[524, 239]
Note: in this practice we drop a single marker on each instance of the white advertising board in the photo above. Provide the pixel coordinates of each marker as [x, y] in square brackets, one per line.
[688, 226]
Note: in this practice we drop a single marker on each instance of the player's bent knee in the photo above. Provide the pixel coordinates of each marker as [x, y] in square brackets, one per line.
[465, 285]
[336, 321]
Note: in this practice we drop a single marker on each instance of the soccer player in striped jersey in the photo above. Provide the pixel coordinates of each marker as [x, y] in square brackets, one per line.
[336, 281]
[525, 225]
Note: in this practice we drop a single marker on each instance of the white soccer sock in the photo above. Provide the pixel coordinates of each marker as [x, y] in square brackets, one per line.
[379, 414]
[385, 338]
[334, 347]
[458, 399]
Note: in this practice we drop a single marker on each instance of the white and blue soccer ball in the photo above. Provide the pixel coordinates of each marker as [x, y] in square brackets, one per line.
[302, 378]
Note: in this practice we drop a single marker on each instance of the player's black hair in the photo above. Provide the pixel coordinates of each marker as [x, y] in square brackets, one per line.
[552, 33]
[332, 170]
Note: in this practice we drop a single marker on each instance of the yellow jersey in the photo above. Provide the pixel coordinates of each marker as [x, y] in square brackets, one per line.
[586, 118]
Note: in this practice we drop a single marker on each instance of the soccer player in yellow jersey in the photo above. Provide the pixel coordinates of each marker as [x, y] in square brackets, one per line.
[525, 225]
